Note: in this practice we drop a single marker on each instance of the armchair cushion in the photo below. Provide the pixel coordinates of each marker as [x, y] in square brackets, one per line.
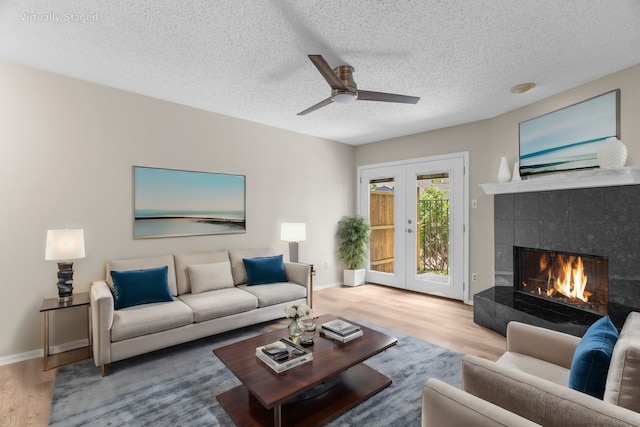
[592, 357]
[541, 401]
[444, 405]
[623, 380]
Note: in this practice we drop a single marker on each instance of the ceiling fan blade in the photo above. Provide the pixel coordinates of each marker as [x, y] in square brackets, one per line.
[367, 95]
[317, 106]
[327, 72]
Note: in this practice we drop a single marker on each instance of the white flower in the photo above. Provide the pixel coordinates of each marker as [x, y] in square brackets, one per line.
[296, 311]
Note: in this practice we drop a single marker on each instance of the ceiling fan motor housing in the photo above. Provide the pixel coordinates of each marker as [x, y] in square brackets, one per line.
[345, 73]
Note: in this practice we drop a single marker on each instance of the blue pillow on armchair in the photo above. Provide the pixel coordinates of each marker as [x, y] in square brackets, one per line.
[264, 270]
[592, 357]
[135, 287]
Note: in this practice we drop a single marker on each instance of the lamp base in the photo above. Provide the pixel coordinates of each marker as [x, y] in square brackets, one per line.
[293, 251]
[65, 299]
[65, 281]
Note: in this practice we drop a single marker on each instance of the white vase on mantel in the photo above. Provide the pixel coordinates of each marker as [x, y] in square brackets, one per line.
[504, 174]
[515, 176]
[612, 154]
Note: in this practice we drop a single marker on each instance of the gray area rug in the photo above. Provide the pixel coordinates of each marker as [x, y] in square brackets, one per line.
[178, 386]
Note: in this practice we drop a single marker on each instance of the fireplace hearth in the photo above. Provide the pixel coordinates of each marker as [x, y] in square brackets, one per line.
[564, 224]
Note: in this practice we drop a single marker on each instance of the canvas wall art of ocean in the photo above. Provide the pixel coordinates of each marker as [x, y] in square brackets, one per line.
[568, 138]
[172, 203]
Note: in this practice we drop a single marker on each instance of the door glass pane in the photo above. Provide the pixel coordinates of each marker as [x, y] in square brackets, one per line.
[381, 218]
[432, 236]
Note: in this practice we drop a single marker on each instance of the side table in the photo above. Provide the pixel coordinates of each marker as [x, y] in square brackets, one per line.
[50, 304]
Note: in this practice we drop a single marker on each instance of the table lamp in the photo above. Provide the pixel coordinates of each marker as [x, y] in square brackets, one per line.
[293, 232]
[64, 246]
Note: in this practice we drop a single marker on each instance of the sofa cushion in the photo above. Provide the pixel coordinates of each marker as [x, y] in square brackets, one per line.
[137, 287]
[537, 367]
[275, 293]
[184, 260]
[237, 265]
[149, 318]
[592, 357]
[209, 277]
[264, 270]
[623, 381]
[144, 263]
[219, 303]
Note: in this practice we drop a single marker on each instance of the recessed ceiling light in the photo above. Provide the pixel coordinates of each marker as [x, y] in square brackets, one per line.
[523, 87]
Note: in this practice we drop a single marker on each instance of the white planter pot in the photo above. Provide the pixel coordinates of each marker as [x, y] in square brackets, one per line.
[354, 277]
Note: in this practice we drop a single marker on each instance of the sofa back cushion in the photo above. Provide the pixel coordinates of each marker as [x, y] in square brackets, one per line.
[623, 381]
[210, 277]
[185, 260]
[142, 264]
[237, 264]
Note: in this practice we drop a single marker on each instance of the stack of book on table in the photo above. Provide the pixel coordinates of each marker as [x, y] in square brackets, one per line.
[341, 330]
[282, 355]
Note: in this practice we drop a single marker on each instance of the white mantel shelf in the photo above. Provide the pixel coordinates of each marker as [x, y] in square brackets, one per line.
[565, 181]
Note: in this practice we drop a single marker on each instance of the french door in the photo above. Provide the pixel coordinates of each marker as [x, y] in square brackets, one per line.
[418, 217]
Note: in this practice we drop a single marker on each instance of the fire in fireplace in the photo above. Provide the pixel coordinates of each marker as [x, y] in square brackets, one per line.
[577, 280]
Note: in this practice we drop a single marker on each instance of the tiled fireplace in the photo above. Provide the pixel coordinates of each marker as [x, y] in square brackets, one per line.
[591, 238]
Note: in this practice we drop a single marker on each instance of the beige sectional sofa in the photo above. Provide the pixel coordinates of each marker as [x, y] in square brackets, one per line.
[529, 384]
[131, 331]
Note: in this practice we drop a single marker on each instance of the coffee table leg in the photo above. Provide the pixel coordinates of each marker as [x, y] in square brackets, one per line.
[277, 416]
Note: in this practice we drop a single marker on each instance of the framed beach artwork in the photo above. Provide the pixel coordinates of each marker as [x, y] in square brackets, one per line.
[568, 139]
[174, 203]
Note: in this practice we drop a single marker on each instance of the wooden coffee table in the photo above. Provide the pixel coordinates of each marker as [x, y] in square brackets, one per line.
[266, 398]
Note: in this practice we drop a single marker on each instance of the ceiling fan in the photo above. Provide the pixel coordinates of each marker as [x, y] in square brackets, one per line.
[344, 89]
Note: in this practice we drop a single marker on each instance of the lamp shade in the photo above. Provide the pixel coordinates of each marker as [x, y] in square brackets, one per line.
[65, 244]
[293, 232]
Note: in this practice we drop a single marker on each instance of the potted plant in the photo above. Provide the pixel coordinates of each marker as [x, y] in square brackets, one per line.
[353, 236]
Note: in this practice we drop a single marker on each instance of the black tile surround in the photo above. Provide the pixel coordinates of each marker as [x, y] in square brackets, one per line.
[601, 221]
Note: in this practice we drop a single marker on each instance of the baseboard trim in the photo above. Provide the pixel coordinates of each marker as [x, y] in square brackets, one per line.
[328, 285]
[34, 354]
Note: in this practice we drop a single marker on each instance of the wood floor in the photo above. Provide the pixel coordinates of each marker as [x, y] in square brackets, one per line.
[25, 389]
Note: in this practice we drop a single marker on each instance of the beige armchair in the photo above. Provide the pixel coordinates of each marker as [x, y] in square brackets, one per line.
[531, 381]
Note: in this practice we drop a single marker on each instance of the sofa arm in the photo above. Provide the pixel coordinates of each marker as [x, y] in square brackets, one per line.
[102, 306]
[446, 406]
[298, 273]
[541, 343]
[539, 400]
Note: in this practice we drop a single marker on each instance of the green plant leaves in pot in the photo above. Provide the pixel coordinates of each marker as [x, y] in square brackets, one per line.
[353, 236]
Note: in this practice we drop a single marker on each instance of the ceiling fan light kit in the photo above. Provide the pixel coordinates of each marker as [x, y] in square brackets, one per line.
[344, 89]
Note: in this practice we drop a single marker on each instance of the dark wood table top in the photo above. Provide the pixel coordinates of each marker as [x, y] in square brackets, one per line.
[330, 358]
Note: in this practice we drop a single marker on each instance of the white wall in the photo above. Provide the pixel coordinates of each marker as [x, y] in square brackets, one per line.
[68, 148]
[488, 140]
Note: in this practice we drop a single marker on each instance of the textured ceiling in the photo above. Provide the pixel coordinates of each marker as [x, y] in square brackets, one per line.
[248, 59]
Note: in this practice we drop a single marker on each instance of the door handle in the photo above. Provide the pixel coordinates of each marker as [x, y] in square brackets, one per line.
[409, 230]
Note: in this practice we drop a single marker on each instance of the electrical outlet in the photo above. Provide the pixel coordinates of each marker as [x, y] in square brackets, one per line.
[474, 277]
[500, 255]
[326, 265]
[474, 204]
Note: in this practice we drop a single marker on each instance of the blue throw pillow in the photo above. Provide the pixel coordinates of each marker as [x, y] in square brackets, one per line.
[591, 360]
[264, 270]
[137, 287]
